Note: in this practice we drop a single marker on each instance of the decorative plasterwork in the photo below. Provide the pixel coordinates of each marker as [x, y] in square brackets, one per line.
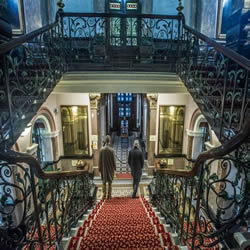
[32, 149]
[94, 98]
[152, 98]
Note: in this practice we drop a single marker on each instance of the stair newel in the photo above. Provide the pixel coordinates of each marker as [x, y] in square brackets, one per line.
[223, 99]
[185, 181]
[36, 209]
[199, 190]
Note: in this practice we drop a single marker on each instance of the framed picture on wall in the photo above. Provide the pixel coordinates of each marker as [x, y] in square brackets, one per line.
[16, 15]
[224, 11]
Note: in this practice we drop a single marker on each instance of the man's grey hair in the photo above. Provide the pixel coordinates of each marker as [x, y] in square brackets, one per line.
[136, 144]
[108, 139]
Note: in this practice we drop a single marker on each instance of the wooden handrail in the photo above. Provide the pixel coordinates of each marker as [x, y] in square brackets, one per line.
[241, 60]
[15, 157]
[5, 47]
[72, 14]
[214, 153]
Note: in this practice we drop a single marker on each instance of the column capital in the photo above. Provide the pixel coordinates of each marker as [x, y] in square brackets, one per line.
[194, 133]
[152, 98]
[94, 98]
[52, 134]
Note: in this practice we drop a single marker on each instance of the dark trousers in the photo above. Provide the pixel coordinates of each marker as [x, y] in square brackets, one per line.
[136, 182]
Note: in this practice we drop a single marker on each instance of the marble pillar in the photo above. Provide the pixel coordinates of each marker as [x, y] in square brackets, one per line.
[152, 99]
[94, 100]
[50, 146]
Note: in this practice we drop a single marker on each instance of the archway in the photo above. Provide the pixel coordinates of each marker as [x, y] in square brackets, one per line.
[40, 130]
[201, 134]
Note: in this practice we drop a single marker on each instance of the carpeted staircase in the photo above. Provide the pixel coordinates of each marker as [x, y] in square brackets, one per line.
[122, 223]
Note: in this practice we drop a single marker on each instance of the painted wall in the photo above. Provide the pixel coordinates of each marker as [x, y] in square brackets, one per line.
[79, 6]
[177, 99]
[165, 7]
[147, 7]
[32, 14]
[209, 17]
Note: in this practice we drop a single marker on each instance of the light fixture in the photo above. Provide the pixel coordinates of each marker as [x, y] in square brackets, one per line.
[172, 109]
[74, 110]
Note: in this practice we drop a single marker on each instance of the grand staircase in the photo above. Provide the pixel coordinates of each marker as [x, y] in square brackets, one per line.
[202, 204]
[122, 223]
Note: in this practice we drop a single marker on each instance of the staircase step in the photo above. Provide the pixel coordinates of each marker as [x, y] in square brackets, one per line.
[122, 222]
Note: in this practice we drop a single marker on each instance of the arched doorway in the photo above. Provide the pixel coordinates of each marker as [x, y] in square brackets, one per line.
[40, 129]
[201, 134]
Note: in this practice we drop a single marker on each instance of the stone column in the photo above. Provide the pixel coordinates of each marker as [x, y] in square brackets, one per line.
[189, 146]
[196, 139]
[152, 99]
[50, 142]
[94, 99]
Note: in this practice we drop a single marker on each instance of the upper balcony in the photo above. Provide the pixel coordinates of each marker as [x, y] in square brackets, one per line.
[122, 42]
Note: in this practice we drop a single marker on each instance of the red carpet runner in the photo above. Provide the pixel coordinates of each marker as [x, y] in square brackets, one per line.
[124, 176]
[122, 223]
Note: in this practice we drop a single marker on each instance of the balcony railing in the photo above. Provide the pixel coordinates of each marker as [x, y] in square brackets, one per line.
[114, 41]
[39, 208]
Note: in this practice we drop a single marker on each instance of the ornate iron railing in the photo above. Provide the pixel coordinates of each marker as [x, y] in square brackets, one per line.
[39, 208]
[208, 204]
[218, 79]
[30, 67]
[111, 39]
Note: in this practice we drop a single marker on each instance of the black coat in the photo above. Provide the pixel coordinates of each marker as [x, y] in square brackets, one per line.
[107, 163]
[136, 162]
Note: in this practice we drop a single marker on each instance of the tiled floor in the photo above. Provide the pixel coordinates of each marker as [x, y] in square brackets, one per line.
[118, 191]
[122, 147]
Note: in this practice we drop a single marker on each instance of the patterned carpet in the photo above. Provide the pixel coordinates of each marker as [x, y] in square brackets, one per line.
[122, 223]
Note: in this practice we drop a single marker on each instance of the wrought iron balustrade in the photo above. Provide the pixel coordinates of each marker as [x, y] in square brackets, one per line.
[39, 208]
[218, 79]
[209, 203]
[30, 67]
[110, 38]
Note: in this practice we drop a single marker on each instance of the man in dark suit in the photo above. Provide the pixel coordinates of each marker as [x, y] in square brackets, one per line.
[107, 166]
[136, 163]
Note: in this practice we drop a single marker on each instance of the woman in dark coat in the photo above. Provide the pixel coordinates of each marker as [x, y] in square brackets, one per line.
[136, 163]
[107, 166]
